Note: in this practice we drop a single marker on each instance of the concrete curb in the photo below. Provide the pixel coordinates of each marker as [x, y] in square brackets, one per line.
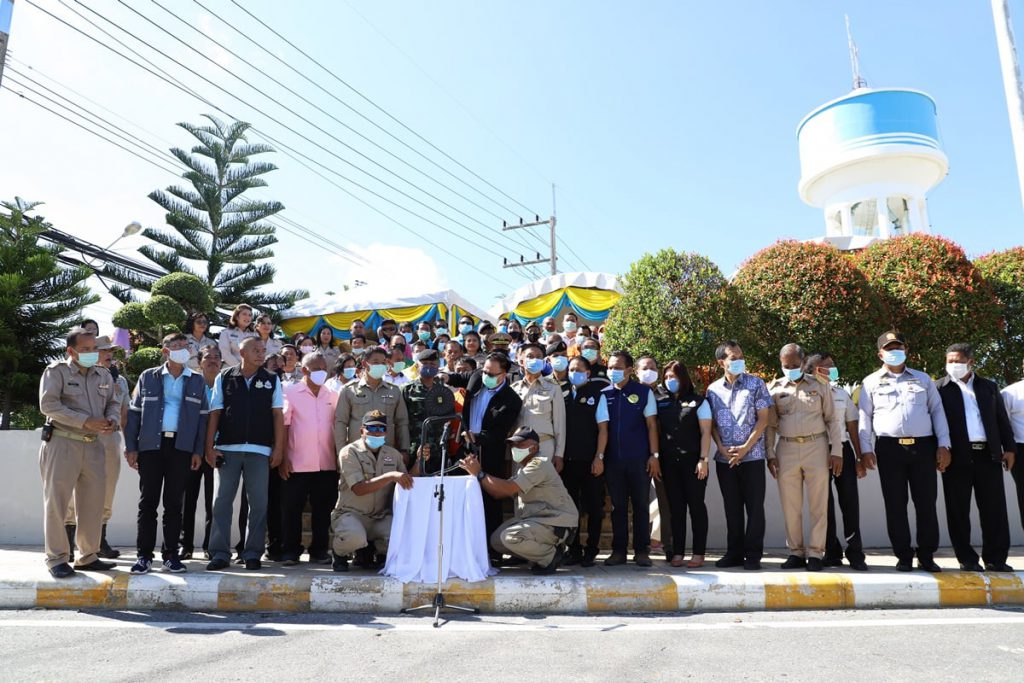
[697, 591]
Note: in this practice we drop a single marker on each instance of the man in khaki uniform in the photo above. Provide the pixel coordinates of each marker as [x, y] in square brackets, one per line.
[113, 447]
[543, 408]
[546, 518]
[79, 400]
[369, 469]
[809, 449]
[371, 392]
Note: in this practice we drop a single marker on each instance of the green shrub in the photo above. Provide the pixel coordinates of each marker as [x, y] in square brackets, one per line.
[131, 316]
[162, 310]
[193, 294]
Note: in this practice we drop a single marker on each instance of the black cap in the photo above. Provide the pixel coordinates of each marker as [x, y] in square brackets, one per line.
[427, 354]
[890, 337]
[523, 434]
[375, 418]
[557, 347]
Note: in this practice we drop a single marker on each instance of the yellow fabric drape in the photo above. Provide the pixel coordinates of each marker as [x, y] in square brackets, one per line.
[293, 326]
[403, 314]
[593, 299]
[539, 307]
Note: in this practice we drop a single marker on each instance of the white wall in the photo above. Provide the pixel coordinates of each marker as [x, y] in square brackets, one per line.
[21, 504]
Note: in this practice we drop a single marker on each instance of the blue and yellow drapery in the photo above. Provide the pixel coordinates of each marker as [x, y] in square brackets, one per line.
[589, 304]
[340, 322]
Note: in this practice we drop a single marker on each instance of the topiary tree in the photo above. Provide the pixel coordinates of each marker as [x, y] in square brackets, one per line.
[131, 316]
[143, 359]
[174, 296]
[675, 305]
[194, 295]
[813, 295]
[1004, 272]
[163, 311]
[934, 295]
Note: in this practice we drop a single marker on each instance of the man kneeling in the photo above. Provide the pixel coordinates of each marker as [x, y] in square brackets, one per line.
[546, 518]
[369, 469]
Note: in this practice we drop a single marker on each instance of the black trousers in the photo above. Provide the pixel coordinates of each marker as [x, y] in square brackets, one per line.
[197, 479]
[494, 513]
[743, 489]
[975, 471]
[321, 490]
[273, 516]
[587, 493]
[909, 467]
[1018, 479]
[849, 505]
[685, 492]
[162, 475]
[629, 484]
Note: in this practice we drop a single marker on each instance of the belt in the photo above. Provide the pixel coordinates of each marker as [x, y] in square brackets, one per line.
[907, 440]
[979, 445]
[546, 437]
[803, 439]
[87, 438]
[168, 435]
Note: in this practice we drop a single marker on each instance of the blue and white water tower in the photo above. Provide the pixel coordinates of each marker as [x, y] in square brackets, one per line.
[869, 159]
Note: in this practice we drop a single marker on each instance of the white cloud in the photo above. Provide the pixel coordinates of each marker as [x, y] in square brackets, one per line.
[390, 270]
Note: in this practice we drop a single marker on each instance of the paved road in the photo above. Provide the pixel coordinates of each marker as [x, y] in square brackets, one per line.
[925, 645]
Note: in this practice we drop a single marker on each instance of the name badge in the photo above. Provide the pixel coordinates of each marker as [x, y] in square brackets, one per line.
[590, 401]
[388, 460]
[440, 400]
[633, 398]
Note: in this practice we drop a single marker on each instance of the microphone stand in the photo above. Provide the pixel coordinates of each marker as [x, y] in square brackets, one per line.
[439, 603]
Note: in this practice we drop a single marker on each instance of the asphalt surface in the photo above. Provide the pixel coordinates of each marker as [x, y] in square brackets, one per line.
[905, 645]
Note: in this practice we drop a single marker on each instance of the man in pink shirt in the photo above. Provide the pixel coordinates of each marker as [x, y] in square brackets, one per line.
[310, 465]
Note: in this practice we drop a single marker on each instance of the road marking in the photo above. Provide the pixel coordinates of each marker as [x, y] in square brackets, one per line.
[601, 625]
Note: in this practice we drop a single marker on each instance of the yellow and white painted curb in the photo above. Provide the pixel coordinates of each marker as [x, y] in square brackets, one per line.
[699, 591]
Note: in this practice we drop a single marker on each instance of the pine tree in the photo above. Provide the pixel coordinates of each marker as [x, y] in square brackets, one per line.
[40, 301]
[213, 224]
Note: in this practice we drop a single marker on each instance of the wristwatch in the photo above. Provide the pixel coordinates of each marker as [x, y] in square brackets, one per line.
[480, 475]
[656, 456]
[600, 456]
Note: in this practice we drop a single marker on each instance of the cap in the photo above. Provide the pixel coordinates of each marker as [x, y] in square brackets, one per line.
[427, 354]
[890, 337]
[523, 434]
[532, 323]
[375, 418]
[557, 347]
[103, 343]
[499, 339]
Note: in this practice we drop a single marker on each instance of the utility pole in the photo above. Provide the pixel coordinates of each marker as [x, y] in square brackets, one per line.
[6, 10]
[1011, 82]
[551, 221]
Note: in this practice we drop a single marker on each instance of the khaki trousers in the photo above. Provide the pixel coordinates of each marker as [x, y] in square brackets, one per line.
[72, 468]
[113, 447]
[526, 538]
[352, 531]
[803, 464]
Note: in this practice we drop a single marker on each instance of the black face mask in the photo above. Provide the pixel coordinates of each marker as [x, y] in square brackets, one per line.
[113, 372]
[533, 336]
[517, 335]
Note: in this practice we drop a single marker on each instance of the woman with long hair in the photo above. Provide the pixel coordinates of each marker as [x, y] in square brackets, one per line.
[238, 330]
[265, 330]
[195, 329]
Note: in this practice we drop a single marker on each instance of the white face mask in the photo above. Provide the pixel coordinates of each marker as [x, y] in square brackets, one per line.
[957, 370]
[520, 454]
[647, 376]
[306, 349]
[318, 377]
[179, 356]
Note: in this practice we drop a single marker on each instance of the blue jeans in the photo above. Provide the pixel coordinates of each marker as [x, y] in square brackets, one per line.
[254, 470]
[628, 482]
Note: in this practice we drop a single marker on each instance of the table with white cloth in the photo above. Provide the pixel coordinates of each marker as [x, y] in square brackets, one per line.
[412, 550]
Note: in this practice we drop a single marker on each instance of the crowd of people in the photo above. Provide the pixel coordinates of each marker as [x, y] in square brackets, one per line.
[336, 424]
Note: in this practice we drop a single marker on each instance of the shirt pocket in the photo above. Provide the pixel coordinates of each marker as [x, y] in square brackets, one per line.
[785, 403]
[885, 398]
[916, 395]
[540, 405]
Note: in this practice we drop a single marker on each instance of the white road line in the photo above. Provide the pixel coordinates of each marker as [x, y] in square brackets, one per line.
[605, 625]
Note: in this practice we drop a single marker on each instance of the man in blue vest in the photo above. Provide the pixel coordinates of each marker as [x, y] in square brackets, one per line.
[631, 459]
[244, 440]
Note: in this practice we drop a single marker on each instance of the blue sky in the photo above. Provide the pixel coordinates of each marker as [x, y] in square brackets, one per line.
[664, 124]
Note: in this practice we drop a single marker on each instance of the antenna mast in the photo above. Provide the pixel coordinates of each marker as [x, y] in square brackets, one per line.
[858, 80]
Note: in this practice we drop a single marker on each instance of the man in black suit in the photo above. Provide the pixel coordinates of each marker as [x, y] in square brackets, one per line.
[982, 439]
[489, 412]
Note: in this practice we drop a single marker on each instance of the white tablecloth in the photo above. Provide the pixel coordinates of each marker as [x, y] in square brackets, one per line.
[412, 550]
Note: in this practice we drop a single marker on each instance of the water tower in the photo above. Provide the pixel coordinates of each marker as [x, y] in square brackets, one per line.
[869, 159]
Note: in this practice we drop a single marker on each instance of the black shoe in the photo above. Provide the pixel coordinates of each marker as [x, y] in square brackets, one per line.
[904, 566]
[290, 561]
[752, 565]
[217, 565]
[727, 562]
[106, 552]
[972, 567]
[814, 564]
[96, 566]
[363, 558]
[831, 562]
[253, 565]
[1000, 567]
[929, 566]
[514, 561]
[551, 566]
[642, 559]
[339, 563]
[70, 529]
[795, 562]
[186, 554]
[859, 565]
[320, 559]
[615, 559]
[62, 571]
[589, 557]
[274, 557]
[573, 557]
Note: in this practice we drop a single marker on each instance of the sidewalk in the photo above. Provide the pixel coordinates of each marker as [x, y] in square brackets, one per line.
[25, 584]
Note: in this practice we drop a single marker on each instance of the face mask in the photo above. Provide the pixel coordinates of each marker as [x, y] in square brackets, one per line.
[424, 335]
[737, 367]
[580, 339]
[894, 358]
[429, 371]
[589, 354]
[358, 352]
[534, 365]
[375, 441]
[318, 377]
[570, 327]
[442, 330]
[957, 370]
[559, 363]
[377, 370]
[516, 335]
[578, 378]
[520, 454]
[616, 376]
[398, 367]
[792, 374]
[648, 376]
[490, 382]
[306, 349]
[441, 345]
[672, 384]
[408, 337]
[348, 373]
[833, 374]
[465, 327]
[533, 336]
[179, 356]
[88, 359]
[503, 329]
